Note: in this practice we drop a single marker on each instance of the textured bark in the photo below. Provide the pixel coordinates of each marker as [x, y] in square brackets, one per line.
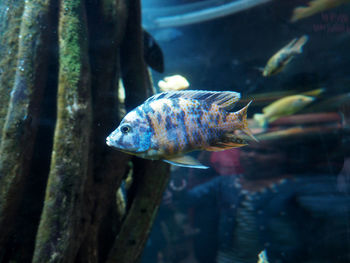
[10, 22]
[149, 178]
[106, 28]
[86, 216]
[150, 181]
[19, 130]
[62, 224]
[137, 82]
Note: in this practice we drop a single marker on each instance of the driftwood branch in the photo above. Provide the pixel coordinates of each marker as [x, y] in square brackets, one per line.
[106, 27]
[62, 225]
[151, 179]
[19, 130]
[86, 214]
[10, 23]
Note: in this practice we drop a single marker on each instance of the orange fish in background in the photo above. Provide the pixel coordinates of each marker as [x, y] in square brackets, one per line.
[170, 124]
[314, 7]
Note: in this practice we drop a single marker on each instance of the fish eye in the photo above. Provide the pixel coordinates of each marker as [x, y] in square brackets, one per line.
[125, 128]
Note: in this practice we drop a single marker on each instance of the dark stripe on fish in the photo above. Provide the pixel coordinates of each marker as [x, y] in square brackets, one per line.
[175, 103]
[181, 117]
[159, 117]
[150, 122]
[123, 143]
[168, 123]
[135, 122]
[147, 108]
[135, 140]
[199, 116]
[166, 108]
[199, 121]
[143, 129]
[139, 112]
[211, 117]
[217, 119]
[197, 138]
[181, 122]
[205, 107]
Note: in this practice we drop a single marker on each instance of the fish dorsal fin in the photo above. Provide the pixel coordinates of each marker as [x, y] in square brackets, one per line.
[185, 161]
[291, 43]
[224, 99]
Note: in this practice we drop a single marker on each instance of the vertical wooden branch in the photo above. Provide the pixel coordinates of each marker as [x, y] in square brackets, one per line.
[18, 133]
[106, 28]
[149, 178]
[10, 22]
[136, 78]
[61, 227]
[152, 179]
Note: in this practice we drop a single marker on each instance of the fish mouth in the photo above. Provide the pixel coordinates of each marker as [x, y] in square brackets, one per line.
[110, 142]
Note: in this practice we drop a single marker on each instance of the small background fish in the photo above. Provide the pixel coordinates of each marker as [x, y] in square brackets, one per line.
[152, 52]
[283, 107]
[173, 83]
[263, 257]
[170, 124]
[278, 61]
[314, 7]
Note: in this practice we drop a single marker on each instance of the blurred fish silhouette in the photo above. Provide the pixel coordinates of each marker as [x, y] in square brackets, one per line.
[314, 7]
[167, 34]
[282, 107]
[173, 83]
[170, 124]
[152, 52]
[279, 60]
[263, 257]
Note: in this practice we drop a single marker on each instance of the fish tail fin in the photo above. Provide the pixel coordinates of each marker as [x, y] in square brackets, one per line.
[298, 46]
[242, 116]
[261, 120]
[298, 13]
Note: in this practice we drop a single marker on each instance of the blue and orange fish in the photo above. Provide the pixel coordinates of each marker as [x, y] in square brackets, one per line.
[170, 124]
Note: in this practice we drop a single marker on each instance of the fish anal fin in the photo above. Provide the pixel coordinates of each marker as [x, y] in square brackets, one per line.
[185, 161]
[224, 146]
[228, 141]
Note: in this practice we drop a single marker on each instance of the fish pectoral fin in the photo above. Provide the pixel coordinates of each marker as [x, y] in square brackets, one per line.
[229, 141]
[185, 161]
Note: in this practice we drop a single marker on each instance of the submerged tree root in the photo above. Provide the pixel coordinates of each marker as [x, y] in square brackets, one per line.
[85, 216]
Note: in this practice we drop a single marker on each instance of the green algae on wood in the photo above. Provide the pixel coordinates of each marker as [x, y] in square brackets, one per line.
[19, 129]
[61, 226]
[10, 22]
